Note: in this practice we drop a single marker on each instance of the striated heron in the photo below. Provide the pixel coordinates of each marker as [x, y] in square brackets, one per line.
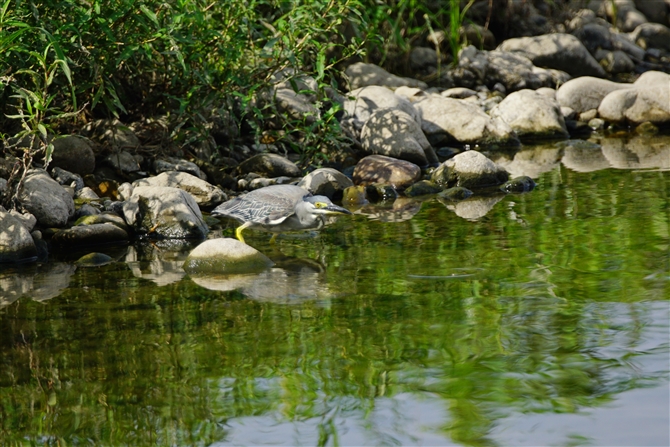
[278, 209]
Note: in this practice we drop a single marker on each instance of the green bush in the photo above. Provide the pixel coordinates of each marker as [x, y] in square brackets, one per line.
[65, 62]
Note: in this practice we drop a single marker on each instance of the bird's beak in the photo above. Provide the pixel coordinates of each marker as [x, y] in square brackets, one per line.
[334, 209]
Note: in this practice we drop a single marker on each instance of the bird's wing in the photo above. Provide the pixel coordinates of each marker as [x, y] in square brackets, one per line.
[261, 206]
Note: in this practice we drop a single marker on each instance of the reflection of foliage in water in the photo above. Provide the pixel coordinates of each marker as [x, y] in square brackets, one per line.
[545, 317]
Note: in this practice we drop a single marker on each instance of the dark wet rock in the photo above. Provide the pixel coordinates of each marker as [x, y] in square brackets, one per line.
[67, 178]
[94, 260]
[395, 133]
[327, 182]
[531, 115]
[648, 99]
[363, 74]
[270, 165]
[94, 234]
[455, 194]
[518, 184]
[594, 36]
[205, 194]
[225, 256]
[586, 93]
[296, 105]
[16, 243]
[48, 201]
[654, 11]
[559, 51]
[512, 71]
[471, 170]
[112, 134]
[164, 213]
[446, 119]
[616, 62]
[646, 128]
[423, 60]
[381, 169]
[362, 103]
[627, 15]
[652, 35]
[74, 154]
[86, 210]
[123, 161]
[105, 217]
[177, 164]
[354, 196]
[380, 192]
[422, 188]
[477, 35]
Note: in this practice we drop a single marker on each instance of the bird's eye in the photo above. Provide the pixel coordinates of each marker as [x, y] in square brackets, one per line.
[320, 204]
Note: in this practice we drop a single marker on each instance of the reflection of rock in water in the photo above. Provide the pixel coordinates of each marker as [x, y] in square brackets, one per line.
[531, 161]
[402, 209]
[40, 283]
[161, 261]
[473, 208]
[583, 156]
[275, 285]
[638, 152]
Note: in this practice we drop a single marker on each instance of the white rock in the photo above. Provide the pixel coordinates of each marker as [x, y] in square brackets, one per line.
[531, 115]
[204, 193]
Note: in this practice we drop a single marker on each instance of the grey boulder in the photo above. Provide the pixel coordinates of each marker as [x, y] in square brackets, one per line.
[225, 256]
[447, 119]
[44, 198]
[16, 243]
[362, 74]
[531, 115]
[558, 50]
[204, 193]
[471, 170]
[164, 213]
[327, 182]
[396, 134]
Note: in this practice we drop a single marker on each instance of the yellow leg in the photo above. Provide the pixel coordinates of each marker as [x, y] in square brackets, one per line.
[238, 232]
[273, 239]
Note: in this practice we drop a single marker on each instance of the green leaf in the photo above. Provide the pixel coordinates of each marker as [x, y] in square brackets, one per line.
[149, 13]
[48, 153]
[42, 130]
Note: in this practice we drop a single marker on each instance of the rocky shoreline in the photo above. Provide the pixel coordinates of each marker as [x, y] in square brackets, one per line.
[410, 138]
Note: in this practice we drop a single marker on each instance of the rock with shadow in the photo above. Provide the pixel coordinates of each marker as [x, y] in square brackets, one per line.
[16, 243]
[163, 212]
[447, 120]
[532, 115]
[396, 134]
[386, 170]
[204, 193]
[471, 170]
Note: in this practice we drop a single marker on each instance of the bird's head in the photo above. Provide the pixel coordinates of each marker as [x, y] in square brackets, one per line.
[323, 205]
[313, 207]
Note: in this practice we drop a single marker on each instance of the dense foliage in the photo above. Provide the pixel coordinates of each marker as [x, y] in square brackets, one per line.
[66, 62]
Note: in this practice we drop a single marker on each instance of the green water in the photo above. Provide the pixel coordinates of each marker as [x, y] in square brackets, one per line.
[544, 322]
